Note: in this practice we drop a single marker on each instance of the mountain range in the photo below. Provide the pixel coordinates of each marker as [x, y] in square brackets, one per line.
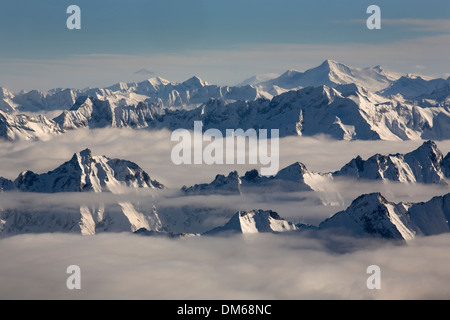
[368, 215]
[332, 99]
[372, 215]
[84, 172]
[425, 165]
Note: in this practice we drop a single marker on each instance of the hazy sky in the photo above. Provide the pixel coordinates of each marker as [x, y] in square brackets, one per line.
[221, 41]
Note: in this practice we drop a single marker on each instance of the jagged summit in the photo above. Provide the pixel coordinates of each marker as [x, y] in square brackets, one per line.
[254, 221]
[334, 99]
[331, 73]
[85, 172]
[220, 185]
[411, 86]
[195, 82]
[293, 172]
[334, 67]
[426, 164]
[374, 216]
[155, 81]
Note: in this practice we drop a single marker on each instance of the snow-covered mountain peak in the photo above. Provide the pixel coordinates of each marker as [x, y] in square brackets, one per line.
[429, 148]
[254, 221]
[84, 157]
[413, 86]
[372, 215]
[5, 93]
[425, 165]
[220, 185]
[85, 172]
[293, 172]
[334, 68]
[23, 127]
[195, 82]
[331, 73]
[157, 81]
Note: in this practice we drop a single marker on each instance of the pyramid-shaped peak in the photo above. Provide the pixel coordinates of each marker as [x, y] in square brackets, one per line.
[86, 152]
[195, 82]
[297, 166]
[332, 64]
[428, 147]
[293, 172]
[83, 157]
[335, 67]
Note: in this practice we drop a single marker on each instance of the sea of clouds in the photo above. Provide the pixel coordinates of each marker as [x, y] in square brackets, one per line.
[265, 266]
[261, 266]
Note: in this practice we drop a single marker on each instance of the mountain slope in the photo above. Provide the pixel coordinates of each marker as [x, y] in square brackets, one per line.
[96, 113]
[82, 173]
[85, 172]
[425, 165]
[372, 215]
[333, 99]
[254, 221]
[23, 127]
[413, 87]
[220, 185]
[347, 112]
[85, 219]
[330, 73]
[295, 177]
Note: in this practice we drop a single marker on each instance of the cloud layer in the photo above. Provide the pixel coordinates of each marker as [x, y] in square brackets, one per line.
[265, 266]
[126, 266]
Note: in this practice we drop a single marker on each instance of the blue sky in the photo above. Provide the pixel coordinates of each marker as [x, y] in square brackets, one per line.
[118, 38]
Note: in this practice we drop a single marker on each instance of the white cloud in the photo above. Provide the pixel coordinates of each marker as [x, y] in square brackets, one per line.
[122, 266]
[437, 25]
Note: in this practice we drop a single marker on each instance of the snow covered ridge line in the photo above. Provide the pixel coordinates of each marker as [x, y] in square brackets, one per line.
[84, 172]
[349, 103]
[347, 112]
[196, 91]
[369, 215]
[373, 215]
[425, 165]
